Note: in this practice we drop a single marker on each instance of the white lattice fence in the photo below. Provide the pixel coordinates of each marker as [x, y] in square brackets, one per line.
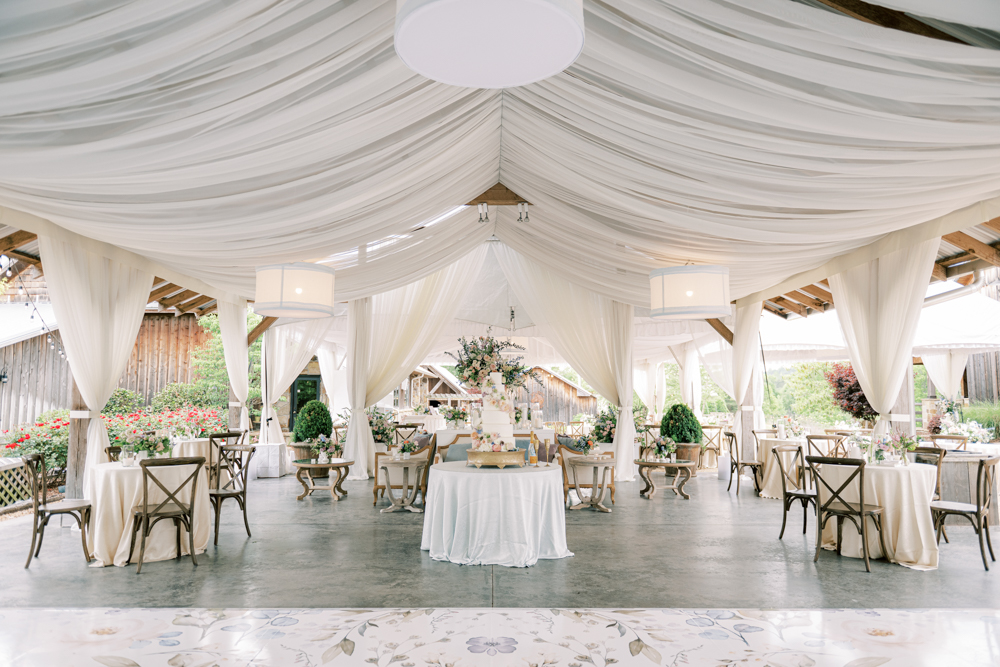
[14, 484]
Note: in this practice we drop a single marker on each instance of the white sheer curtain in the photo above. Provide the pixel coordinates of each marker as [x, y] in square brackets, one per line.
[690, 375]
[333, 372]
[646, 380]
[233, 326]
[716, 356]
[945, 371]
[746, 354]
[286, 351]
[99, 304]
[592, 332]
[388, 335]
[879, 306]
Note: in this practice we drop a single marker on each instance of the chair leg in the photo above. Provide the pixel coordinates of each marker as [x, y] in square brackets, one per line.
[739, 472]
[190, 527]
[142, 542]
[731, 475]
[819, 535]
[177, 529]
[41, 534]
[246, 521]
[34, 539]
[805, 515]
[938, 520]
[881, 540]
[840, 532]
[944, 532]
[217, 506]
[784, 516]
[982, 545]
[131, 549]
[84, 520]
[375, 493]
[989, 542]
[864, 542]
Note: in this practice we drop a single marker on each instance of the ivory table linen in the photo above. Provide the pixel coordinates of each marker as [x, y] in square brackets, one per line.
[905, 494]
[193, 447]
[771, 483]
[117, 490]
[487, 516]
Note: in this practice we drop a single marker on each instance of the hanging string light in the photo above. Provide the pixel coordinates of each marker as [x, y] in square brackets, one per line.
[54, 342]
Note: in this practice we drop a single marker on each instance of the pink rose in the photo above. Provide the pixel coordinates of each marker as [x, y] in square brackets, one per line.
[496, 448]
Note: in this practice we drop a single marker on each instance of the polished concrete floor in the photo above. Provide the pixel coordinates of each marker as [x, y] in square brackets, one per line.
[712, 551]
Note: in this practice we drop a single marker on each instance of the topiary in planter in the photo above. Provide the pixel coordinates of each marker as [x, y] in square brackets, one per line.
[312, 421]
[680, 425]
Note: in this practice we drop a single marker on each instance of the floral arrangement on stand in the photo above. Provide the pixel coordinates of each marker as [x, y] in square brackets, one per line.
[663, 447]
[792, 427]
[421, 410]
[451, 414]
[379, 419]
[898, 444]
[586, 444]
[483, 355]
[947, 424]
[490, 442]
[156, 445]
[324, 445]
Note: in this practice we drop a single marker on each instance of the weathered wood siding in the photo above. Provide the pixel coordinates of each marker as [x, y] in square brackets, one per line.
[983, 370]
[39, 379]
[561, 401]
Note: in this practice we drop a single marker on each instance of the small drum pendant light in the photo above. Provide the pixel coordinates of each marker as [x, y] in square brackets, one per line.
[299, 290]
[689, 292]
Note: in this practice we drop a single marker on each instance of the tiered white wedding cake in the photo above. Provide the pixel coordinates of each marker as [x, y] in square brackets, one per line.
[497, 428]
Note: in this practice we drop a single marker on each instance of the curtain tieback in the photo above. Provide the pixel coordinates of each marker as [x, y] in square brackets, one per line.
[894, 417]
[235, 404]
[84, 414]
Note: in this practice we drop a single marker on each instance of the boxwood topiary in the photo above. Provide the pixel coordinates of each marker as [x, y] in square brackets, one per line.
[313, 419]
[680, 424]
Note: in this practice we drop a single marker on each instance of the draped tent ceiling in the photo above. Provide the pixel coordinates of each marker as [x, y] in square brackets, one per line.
[763, 135]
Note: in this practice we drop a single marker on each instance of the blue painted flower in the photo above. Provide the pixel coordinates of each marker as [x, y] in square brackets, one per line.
[491, 646]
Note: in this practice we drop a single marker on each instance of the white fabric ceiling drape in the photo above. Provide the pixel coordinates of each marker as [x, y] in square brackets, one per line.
[286, 351]
[233, 328]
[218, 137]
[746, 354]
[333, 372]
[389, 335]
[99, 305]
[879, 307]
[591, 331]
[945, 371]
[978, 13]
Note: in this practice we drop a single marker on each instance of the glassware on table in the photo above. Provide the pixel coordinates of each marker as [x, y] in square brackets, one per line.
[127, 456]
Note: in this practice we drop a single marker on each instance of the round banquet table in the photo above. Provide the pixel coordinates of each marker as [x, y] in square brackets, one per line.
[486, 516]
[770, 486]
[905, 494]
[195, 447]
[117, 490]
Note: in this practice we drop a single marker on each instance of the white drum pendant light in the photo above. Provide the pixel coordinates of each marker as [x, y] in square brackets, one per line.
[299, 290]
[689, 292]
[489, 43]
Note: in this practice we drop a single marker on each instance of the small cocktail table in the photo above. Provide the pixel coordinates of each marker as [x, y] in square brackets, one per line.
[306, 467]
[683, 469]
[406, 498]
[596, 498]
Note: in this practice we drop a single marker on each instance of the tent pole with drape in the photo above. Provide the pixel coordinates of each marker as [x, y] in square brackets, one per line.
[99, 304]
[746, 354]
[233, 330]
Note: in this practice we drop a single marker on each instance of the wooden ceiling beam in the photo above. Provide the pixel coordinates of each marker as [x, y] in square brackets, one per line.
[818, 292]
[786, 304]
[163, 291]
[993, 224]
[178, 298]
[974, 247]
[498, 195]
[722, 329]
[15, 241]
[188, 306]
[806, 300]
[209, 309]
[259, 330]
[888, 18]
[771, 309]
[939, 272]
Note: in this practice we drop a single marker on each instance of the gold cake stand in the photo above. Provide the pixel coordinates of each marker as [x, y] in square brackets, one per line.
[498, 459]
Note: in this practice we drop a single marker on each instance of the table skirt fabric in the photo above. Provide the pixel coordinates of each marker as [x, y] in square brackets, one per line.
[116, 491]
[905, 495]
[195, 447]
[486, 516]
[771, 483]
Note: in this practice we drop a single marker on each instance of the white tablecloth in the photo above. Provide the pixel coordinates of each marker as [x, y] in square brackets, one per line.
[905, 494]
[429, 423]
[116, 491]
[486, 516]
[771, 485]
[195, 447]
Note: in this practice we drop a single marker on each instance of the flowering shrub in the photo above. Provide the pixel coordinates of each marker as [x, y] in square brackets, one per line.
[847, 393]
[681, 425]
[48, 438]
[197, 422]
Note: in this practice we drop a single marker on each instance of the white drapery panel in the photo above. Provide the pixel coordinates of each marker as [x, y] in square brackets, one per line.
[323, 133]
[650, 383]
[333, 372]
[716, 355]
[591, 331]
[99, 305]
[286, 351]
[233, 328]
[879, 305]
[690, 375]
[746, 354]
[389, 335]
[945, 371]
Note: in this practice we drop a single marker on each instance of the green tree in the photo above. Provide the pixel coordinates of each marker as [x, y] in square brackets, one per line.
[812, 394]
[209, 363]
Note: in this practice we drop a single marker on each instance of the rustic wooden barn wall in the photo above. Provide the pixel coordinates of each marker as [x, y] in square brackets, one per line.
[983, 372]
[561, 402]
[39, 379]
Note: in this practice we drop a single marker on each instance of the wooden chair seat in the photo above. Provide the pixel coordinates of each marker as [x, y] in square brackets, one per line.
[952, 507]
[837, 507]
[166, 510]
[978, 514]
[64, 506]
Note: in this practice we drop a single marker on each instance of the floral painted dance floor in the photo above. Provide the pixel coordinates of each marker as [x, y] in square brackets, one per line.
[528, 637]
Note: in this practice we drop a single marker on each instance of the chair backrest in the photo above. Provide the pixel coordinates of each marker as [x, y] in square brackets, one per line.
[152, 467]
[114, 452]
[712, 434]
[759, 433]
[986, 482]
[818, 463]
[34, 464]
[234, 459]
[796, 473]
[827, 445]
[931, 456]
[577, 428]
[405, 432]
[733, 446]
[950, 441]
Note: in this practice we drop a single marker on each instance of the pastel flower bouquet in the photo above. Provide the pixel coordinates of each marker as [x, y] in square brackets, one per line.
[586, 444]
[457, 415]
[483, 355]
[490, 442]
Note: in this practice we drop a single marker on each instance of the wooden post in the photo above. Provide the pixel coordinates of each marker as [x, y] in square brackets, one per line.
[76, 457]
[234, 412]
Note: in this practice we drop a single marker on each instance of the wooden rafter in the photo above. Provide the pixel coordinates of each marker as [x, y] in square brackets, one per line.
[498, 195]
[259, 330]
[163, 291]
[806, 300]
[192, 304]
[888, 18]
[722, 329]
[787, 304]
[818, 292]
[15, 241]
[771, 309]
[178, 298]
[974, 247]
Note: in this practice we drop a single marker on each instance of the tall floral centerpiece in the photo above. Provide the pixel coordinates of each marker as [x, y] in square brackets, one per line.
[483, 355]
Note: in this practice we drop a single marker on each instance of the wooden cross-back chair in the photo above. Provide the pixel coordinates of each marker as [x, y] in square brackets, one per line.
[827, 445]
[759, 433]
[737, 464]
[950, 441]
[838, 506]
[405, 432]
[234, 464]
[576, 429]
[978, 514]
[114, 452]
[712, 434]
[42, 510]
[564, 453]
[795, 485]
[147, 515]
[216, 441]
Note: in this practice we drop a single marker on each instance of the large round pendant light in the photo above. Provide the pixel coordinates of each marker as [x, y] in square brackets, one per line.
[489, 43]
[689, 292]
[299, 290]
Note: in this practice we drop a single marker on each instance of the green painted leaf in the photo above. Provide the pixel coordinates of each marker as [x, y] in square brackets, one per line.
[348, 646]
[635, 646]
